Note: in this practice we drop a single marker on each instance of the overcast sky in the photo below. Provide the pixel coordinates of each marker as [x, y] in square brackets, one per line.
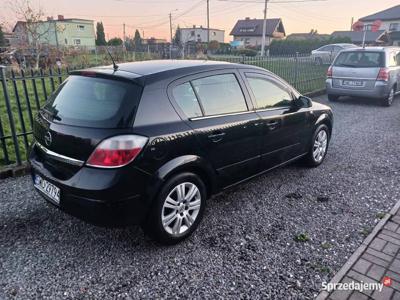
[151, 16]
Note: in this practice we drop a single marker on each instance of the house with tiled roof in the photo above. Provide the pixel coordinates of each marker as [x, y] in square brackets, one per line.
[250, 31]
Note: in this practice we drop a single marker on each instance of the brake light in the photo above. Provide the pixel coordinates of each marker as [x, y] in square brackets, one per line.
[383, 74]
[117, 151]
[329, 72]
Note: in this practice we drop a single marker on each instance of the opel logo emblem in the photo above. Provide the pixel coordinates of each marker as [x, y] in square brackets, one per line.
[47, 138]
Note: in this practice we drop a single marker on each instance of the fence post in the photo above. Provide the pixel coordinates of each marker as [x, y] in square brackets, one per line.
[10, 115]
[296, 69]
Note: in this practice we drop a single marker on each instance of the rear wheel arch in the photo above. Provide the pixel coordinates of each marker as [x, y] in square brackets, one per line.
[188, 163]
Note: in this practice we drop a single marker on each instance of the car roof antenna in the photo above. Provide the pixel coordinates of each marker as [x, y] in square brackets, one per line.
[115, 66]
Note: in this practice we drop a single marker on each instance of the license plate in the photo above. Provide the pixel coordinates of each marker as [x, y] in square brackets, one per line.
[47, 188]
[352, 83]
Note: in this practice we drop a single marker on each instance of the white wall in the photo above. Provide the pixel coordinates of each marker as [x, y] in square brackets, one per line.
[385, 24]
[200, 34]
[252, 40]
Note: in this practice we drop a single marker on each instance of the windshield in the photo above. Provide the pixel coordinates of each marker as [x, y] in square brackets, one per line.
[360, 59]
[94, 102]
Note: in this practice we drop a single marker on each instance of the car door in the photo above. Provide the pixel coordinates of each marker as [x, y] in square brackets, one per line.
[225, 125]
[286, 128]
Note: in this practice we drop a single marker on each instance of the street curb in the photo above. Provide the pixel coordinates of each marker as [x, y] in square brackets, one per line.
[15, 171]
[360, 250]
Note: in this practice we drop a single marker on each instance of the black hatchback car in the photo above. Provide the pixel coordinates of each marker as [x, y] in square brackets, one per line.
[149, 142]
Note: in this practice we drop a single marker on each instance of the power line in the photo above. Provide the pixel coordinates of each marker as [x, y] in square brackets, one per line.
[283, 1]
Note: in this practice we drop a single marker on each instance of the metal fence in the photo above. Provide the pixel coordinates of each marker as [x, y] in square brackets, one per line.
[23, 93]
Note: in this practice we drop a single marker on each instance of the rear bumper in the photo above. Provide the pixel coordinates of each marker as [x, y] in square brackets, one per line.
[381, 90]
[105, 197]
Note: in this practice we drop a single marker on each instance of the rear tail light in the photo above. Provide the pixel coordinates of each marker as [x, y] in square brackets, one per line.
[117, 151]
[329, 72]
[383, 74]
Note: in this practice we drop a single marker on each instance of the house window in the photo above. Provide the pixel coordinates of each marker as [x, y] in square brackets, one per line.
[214, 33]
[66, 41]
[394, 27]
[247, 29]
[77, 41]
[368, 27]
[80, 27]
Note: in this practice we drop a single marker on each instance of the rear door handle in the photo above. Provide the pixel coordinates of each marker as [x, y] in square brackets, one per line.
[216, 136]
[273, 124]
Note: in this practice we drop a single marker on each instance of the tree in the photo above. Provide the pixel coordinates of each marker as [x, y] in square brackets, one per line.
[100, 35]
[137, 40]
[37, 32]
[115, 42]
[178, 37]
[2, 40]
[214, 45]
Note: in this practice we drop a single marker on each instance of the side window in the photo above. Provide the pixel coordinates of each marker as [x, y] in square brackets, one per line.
[398, 58]
[220, 94]
[268, 94]
[187, 101]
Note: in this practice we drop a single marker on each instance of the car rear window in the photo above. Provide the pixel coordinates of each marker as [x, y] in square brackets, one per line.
[360, 59]
[94, 102]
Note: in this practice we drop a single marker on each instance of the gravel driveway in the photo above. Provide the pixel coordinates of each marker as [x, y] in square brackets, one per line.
[278, 236]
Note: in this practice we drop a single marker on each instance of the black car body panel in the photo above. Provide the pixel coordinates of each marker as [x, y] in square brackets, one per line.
[222, 149]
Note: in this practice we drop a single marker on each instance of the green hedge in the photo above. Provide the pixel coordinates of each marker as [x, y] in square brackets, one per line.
[290, 47]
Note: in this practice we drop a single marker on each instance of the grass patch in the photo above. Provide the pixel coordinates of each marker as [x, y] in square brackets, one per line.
[301, 238]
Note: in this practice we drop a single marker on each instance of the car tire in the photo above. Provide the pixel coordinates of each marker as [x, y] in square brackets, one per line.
[177, 209]
[318, 147]
[318, 61]
[332, 98]
[388, 101]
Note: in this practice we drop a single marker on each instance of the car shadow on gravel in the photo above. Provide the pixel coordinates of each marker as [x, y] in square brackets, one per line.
[362, 101]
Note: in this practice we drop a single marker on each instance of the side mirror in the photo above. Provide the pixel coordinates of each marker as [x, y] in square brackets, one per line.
[303, 102]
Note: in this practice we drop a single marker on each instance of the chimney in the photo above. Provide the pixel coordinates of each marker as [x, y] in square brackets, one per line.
[49, 18]
[247, 18]
[60, 17]
[194, 26]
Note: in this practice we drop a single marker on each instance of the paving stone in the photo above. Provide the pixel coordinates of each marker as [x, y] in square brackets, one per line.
[395, 266]
[379, 254]
[378, 244]
[391, 249]
[391, 226]
[376, 272]
[389, 239]
[393, 275]
[360, 277]
[391, 233]
[342, 294]
[395, 285]
[385, 294]
[375, 260]
[358, 296]
[395, 219]
[396, 296]
[362, 266]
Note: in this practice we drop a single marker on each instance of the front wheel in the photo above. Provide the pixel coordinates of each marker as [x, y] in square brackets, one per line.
[388, 101]
[177, 210]
[319, 146]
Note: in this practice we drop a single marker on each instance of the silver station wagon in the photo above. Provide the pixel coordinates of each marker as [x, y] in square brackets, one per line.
[370, 72]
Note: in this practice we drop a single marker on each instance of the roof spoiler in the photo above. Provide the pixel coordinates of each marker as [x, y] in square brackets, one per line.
[111, 74]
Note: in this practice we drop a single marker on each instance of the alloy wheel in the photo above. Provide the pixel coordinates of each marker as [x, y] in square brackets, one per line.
[181, 208]
[320, 146]
[391, 96]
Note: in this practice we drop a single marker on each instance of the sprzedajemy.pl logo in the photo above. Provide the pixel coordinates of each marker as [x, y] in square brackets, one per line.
[357, 286]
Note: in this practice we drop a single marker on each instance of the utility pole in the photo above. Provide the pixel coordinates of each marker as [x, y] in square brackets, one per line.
[170, 31]
[124, 37]
[264, 29]
[208, 21]
[351, 24]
